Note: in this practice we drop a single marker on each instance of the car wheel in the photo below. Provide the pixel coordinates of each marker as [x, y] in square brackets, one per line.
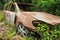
[21, 29]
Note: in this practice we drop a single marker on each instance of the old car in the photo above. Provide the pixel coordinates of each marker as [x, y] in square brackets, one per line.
[27, 20]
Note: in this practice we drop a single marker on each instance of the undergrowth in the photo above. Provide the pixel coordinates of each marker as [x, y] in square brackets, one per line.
[1, 16]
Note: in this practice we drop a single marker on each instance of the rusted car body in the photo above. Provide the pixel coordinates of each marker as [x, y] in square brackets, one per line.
[26, 19]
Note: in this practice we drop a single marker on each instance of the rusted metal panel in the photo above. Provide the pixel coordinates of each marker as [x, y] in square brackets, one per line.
[26, 20]
[9, 16]
[46, 17]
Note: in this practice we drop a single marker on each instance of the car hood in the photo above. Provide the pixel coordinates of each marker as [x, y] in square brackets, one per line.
[46, 17]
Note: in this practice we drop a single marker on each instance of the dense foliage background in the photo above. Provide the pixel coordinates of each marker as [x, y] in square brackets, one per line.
[47, 32]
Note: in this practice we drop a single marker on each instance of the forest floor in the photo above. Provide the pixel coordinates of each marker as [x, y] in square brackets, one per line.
[3, 31]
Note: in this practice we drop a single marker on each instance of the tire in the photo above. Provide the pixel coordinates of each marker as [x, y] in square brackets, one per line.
[21, 29]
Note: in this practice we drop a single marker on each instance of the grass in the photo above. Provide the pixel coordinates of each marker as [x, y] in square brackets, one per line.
[1, 16]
